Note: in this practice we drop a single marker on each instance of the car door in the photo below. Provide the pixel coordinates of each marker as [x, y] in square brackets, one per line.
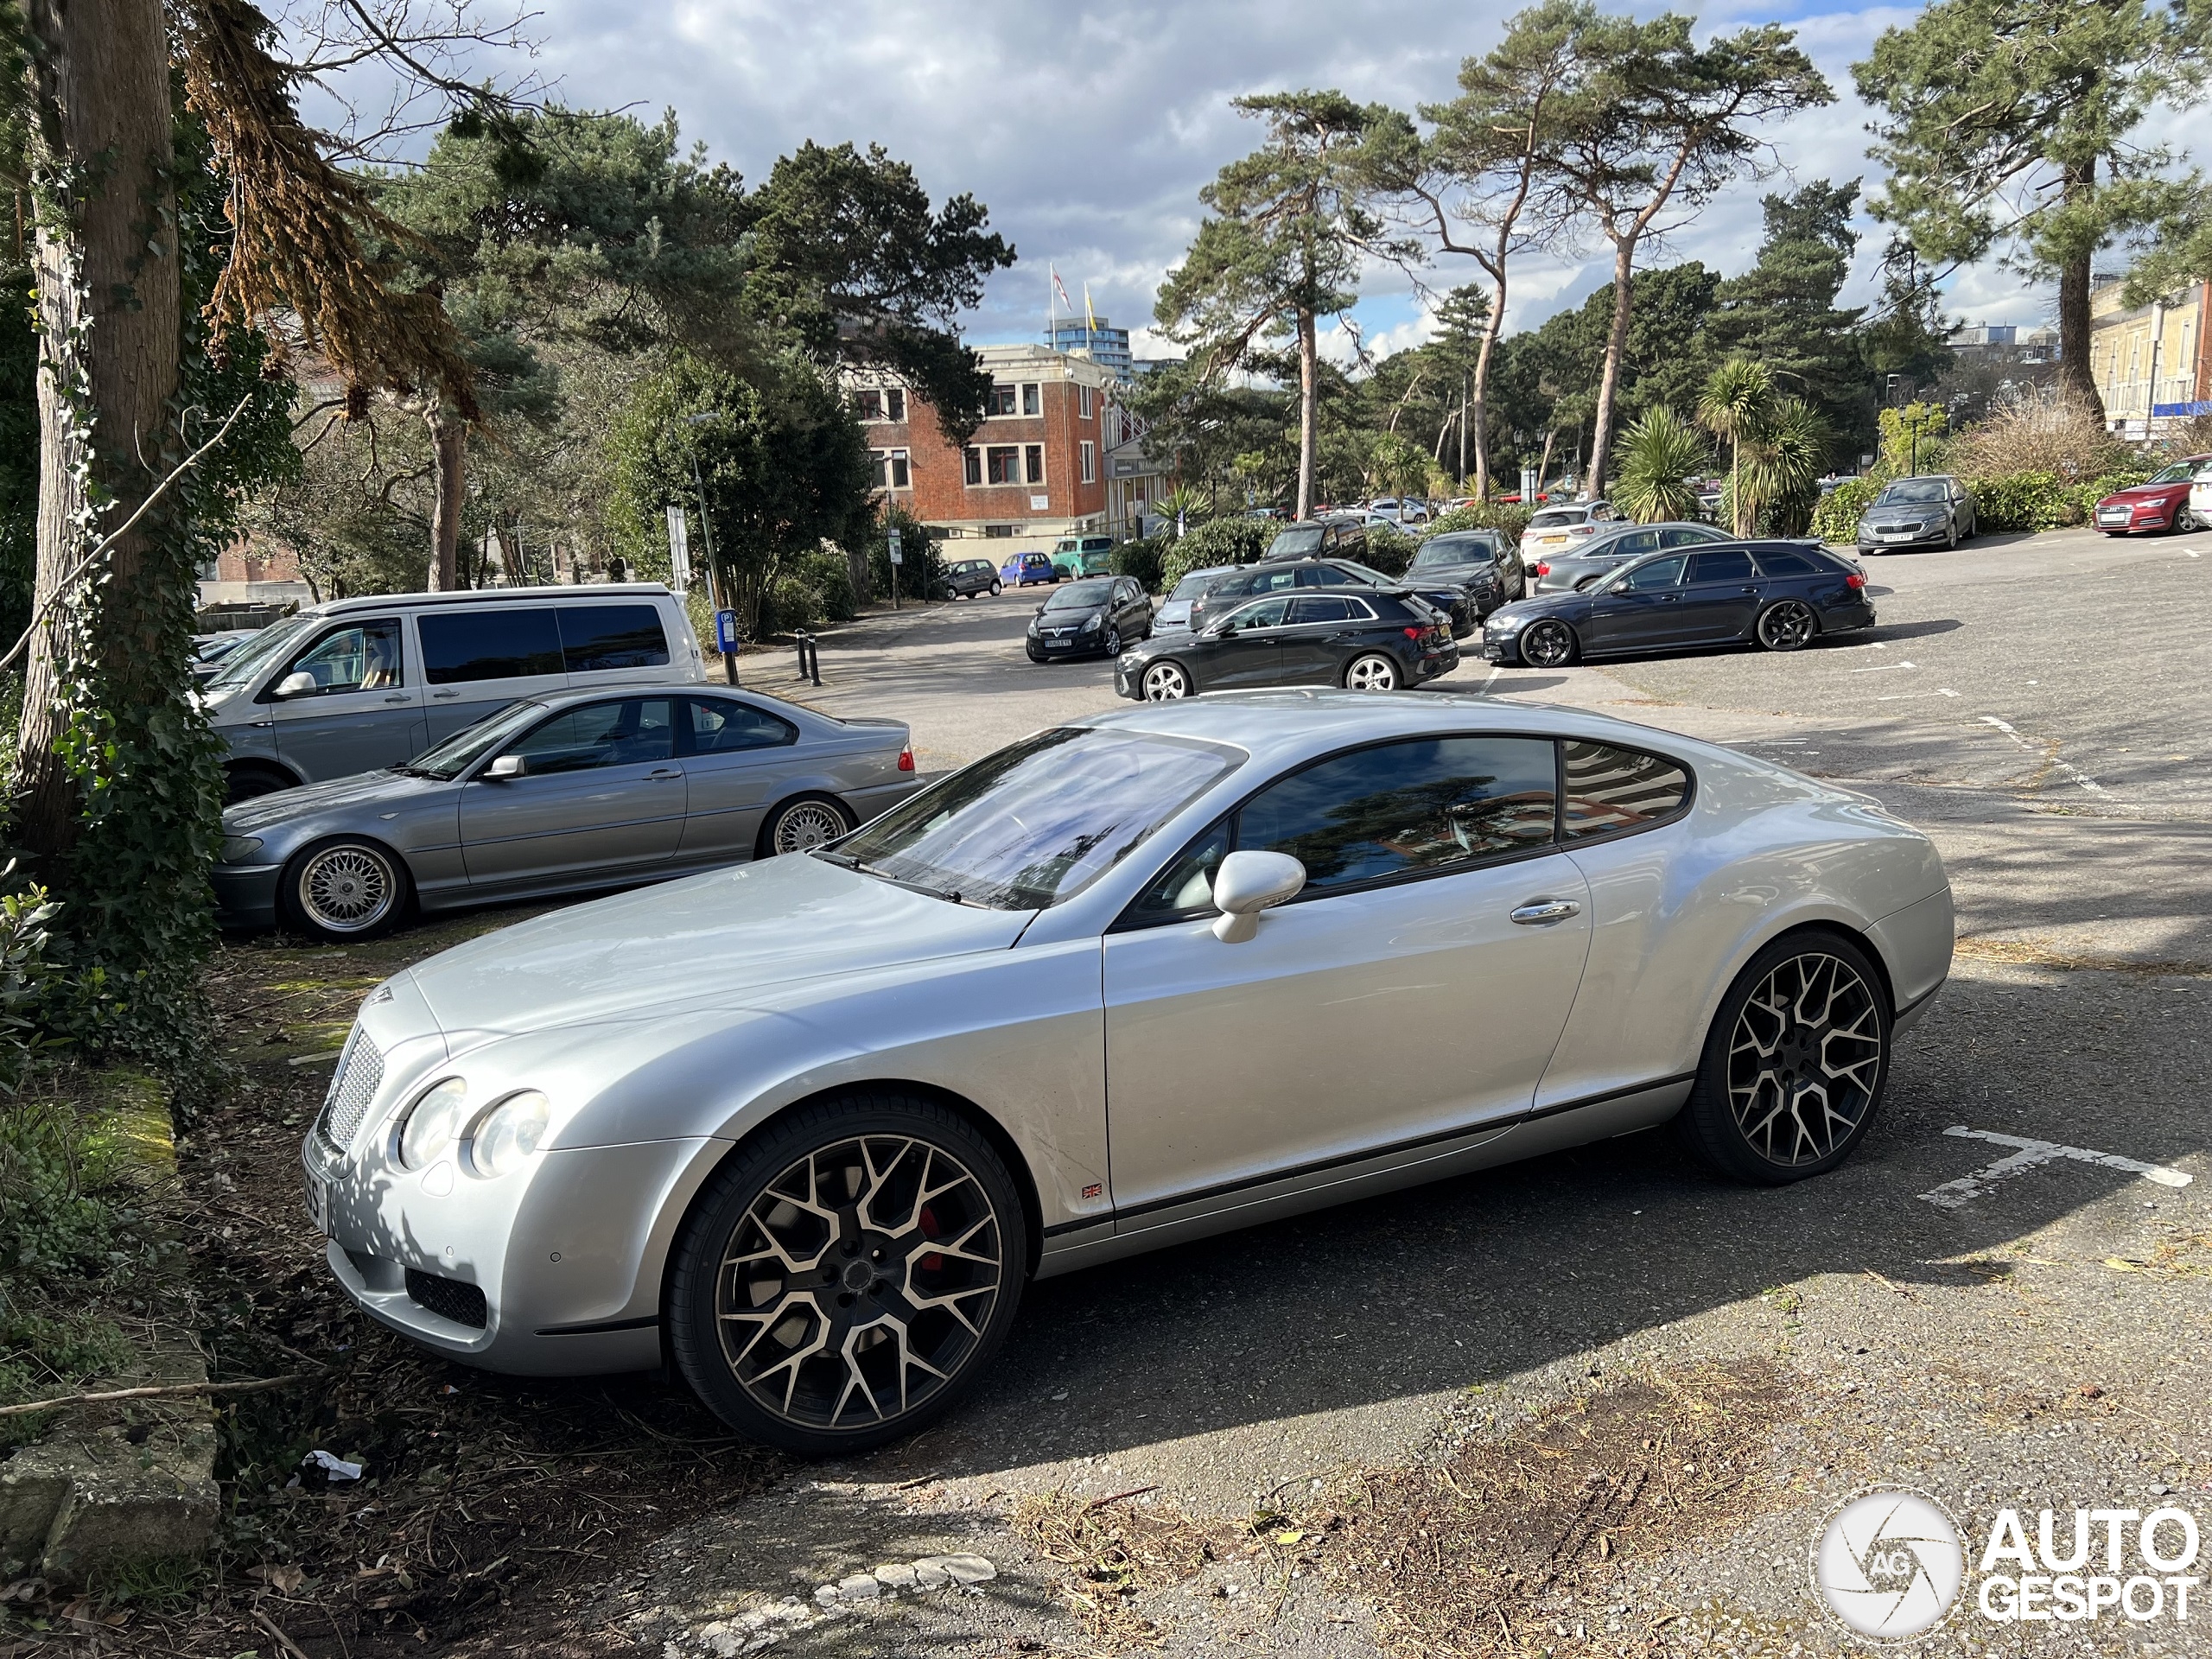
[1314, 638]
[478, 661]
[602, 791]
[736, 755]
[1641, 609]
[365, 711]
[1396, 1001]
[1249, 653]
[1721, 596]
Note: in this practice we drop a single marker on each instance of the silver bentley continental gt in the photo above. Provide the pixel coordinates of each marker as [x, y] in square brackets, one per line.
[808, 1126]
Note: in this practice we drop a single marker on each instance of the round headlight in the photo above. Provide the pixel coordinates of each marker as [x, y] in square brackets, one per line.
[433, 1122]
[507, 1134]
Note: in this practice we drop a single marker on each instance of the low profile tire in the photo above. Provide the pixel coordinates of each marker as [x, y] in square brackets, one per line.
[1165, 682]
[344, 889]
[1795, 1064]
[247, 782]
[802, 823]
[1788, 624]
[847, 1274]
[1371, 673]
[1547, 644]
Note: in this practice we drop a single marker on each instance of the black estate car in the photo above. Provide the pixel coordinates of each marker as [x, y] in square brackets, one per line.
[1482, 564]
[1097, 614]
[1779, 593]
[1298, 573]
[1367, 639]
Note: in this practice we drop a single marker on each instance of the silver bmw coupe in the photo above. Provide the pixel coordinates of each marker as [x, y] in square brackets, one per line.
[808, 1126]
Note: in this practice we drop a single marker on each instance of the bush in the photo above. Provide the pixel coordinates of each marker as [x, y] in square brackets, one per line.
[1511, 516]
[921, 569]
[1836, 517]
[2032, 500]
[1144, 557]
[1223, 541]
[2040, 431]
[1390, 550]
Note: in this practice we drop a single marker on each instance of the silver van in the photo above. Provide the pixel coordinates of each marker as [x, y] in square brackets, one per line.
[359, 684]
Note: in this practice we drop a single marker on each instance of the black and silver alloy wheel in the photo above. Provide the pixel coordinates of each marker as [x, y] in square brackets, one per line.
[1547, 644]
[1165, 683]
[801, 825]
[345, 889]
[1787, 625]
[1794, 1070]
[843, 1281]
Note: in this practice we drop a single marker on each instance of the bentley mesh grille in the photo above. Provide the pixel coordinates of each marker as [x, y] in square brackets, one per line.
[449, 1298]
[360, 1069]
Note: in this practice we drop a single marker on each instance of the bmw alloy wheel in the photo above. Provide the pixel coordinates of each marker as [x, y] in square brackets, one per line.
[1805, 1060]
[1547, 644]
[805, 824]
[348, 889]
[1165, 682]
[1787, 625]
[1373, 672]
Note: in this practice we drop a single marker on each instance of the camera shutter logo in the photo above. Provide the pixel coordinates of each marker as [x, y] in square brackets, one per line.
[1890, 1564]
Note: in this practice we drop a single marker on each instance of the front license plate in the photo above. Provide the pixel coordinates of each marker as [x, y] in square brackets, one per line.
[318, 1196]
[1056, 645]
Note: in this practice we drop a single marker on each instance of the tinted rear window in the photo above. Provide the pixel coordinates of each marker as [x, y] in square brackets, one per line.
[1558, 516]
[600, 637]
[512, 642]
[1787, 564]
[1610, 789]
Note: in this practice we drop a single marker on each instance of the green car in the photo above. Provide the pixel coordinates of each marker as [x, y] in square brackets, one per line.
[1084, 555]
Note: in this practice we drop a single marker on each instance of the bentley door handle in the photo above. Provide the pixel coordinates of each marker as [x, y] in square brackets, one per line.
[1543, 911]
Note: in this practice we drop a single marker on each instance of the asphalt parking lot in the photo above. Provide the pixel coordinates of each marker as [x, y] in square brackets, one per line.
[1971, 1306]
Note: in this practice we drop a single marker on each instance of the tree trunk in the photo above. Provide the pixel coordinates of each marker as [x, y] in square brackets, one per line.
[449, 447]
[110, 327]
[1308, 353]
[2075, 372]
[1544, 464]
[1478, 415]
[1601, 428]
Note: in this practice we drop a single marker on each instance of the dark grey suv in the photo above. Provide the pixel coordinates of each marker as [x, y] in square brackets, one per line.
[965, 578]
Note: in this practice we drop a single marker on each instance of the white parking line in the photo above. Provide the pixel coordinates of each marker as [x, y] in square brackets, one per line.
[1882, 668]
[2073, 771]
[2033, 1154]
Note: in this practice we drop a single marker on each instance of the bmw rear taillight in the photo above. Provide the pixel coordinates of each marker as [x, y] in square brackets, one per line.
[1854, 580]
[906, 758]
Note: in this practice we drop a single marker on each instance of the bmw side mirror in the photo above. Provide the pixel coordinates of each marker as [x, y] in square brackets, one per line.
[506, 765]
[297, 684]
[1246, 884]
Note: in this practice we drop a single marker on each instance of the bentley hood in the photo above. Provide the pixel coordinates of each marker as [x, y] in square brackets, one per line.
[710, 941]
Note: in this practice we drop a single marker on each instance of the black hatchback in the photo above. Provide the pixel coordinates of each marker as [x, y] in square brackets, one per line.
[1367, 639]
[1097, 615]
[1780, 596]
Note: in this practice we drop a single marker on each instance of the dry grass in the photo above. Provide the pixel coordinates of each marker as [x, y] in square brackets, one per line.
[2043, 431]
[1115, 1551]
[2027, 954]
[1457, 1557]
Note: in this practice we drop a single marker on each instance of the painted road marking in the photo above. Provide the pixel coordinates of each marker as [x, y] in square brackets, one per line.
[2074, 773]
[1914, 697]
[1882, 668]
[2033, 1154]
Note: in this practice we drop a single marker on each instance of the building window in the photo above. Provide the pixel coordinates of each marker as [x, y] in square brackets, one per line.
[1001, 401]
[1088, 452]
[1000, 532]
[1083, 402]
[1002, 464]
[1033, 399]
[868, 405]
[973, 470]
[891, 469]
[894, 405]
[1033, 455]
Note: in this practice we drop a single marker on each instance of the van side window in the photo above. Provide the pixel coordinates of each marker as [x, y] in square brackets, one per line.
[363, 658]
[511, 643]
[598, 637]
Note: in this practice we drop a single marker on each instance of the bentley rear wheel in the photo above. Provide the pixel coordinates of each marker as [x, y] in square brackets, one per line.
[1795, 1063]
[847, 1274]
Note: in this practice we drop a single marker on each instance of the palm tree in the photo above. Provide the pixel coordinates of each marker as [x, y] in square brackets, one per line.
[1661, 453]
[1737, 397]
[1779, 461]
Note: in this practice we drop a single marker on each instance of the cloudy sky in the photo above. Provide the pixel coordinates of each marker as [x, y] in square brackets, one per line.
[1087, 129]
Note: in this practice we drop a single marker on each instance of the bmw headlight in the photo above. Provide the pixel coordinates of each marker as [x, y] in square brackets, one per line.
[433, 1123]
[506, 1136]
[239, 848]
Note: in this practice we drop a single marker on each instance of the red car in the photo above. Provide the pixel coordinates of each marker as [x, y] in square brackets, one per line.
[2161, 502]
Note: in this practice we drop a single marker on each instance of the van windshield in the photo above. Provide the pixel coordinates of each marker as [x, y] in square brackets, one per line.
[250, 658]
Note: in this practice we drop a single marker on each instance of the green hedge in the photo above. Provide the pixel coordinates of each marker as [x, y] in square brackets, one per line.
[1390, 550]
[1223, 541]
[1836, 517]
[1143, 557]
[2016, 501]
[1509, 515]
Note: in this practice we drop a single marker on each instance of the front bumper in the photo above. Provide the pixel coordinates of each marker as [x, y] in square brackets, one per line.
[2154, 519]
[567, 1254]
[245, 894]
[1048, 651]
[1932, 536]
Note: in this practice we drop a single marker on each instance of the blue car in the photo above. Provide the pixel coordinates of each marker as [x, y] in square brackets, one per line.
[1025, 568]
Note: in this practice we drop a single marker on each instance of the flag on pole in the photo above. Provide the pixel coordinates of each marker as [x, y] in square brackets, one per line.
[1060, 289]
[1090, 317]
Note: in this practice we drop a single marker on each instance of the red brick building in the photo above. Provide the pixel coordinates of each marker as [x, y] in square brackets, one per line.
[1035, 469]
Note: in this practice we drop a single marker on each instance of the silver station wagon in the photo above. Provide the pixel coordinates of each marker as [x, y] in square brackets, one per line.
[567, 792]
[359, 684]
[810, 1125]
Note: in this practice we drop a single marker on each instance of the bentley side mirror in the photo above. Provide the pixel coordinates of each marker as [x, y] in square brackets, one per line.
[506, 765]
[298, 683]
[1246, 884]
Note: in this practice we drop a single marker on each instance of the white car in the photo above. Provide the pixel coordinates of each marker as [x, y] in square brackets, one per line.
[1558, 529]
[811, 1124]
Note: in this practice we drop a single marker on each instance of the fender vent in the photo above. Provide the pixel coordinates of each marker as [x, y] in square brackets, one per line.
[449, 1298]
